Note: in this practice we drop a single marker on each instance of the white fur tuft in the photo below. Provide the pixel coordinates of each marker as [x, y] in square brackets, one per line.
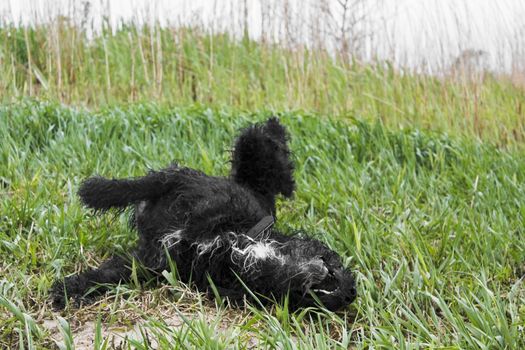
[256, 251]
[208, 246]
[171, 239]
[140, 207]
[249, 255]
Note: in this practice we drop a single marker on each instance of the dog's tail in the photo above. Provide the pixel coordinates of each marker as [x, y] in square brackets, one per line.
[102, 194]
[261, 159]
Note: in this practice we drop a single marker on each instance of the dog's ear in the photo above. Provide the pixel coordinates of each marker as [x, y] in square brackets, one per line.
[261, 159]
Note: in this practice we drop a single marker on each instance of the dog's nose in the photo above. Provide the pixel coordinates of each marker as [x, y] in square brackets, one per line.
[350, 295]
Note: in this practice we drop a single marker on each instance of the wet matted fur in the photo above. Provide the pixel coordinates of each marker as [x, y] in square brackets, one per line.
[205, 225]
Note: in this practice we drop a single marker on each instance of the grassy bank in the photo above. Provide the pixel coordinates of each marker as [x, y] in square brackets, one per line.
[432, 226]
[58, 61]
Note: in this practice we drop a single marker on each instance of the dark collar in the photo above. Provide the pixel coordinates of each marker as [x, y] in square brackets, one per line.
[263, 224]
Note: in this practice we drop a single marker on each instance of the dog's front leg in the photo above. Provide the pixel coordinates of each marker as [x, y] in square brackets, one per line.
[112, 271]
[233, 296]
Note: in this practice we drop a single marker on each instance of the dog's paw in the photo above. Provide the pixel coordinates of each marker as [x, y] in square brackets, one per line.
[63, 290]
[57, 295]
[232, 297]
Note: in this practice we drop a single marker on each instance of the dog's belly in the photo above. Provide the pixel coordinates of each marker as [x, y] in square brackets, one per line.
[205, 211]
[154, 218]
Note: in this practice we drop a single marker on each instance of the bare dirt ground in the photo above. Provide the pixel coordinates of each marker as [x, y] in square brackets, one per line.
[123, 319]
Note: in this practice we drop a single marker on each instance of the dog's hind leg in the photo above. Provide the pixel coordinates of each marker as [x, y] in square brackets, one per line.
[261, 160]
[102, 194]
[112, 271]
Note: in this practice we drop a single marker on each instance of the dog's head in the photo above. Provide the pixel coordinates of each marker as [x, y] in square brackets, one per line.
[304, 269]
[328, 282]
[337, 289]
[315, 274]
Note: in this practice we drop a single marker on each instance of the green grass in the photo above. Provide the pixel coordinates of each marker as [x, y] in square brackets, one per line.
[431, 224]
[181, 66]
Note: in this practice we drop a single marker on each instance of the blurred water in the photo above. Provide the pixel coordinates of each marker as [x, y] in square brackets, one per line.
[429, 36]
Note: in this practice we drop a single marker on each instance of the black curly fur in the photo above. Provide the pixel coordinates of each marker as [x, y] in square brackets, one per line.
[203, 222]
[261, 160]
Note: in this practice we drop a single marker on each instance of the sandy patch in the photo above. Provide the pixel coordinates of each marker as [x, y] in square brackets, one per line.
[129, 319]
[116, 336]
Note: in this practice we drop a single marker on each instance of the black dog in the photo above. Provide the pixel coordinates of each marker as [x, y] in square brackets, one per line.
[219, 229]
